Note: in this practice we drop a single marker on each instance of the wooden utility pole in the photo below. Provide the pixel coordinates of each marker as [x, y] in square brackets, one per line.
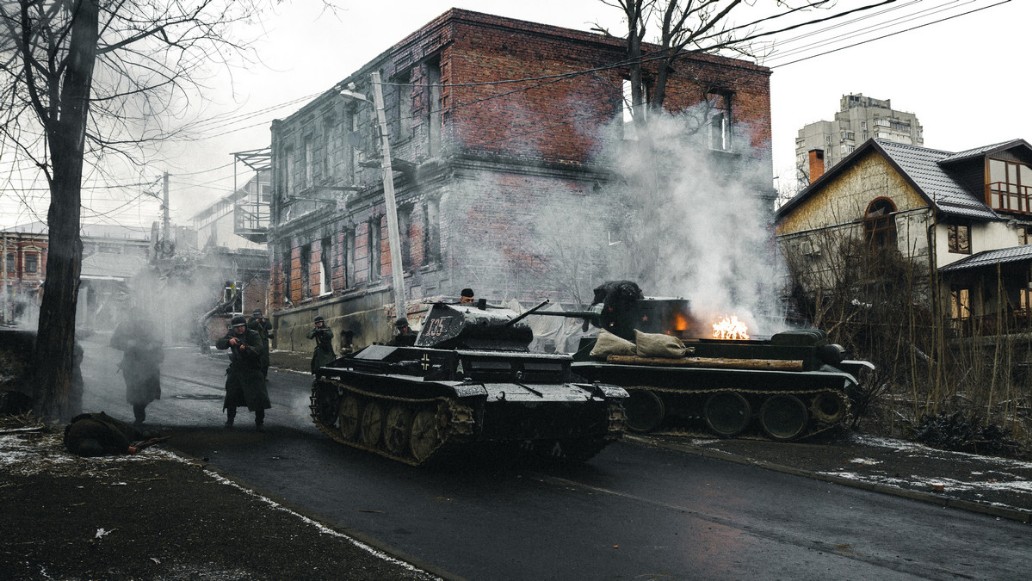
[165, 219]
[3, 280]
[393, 236]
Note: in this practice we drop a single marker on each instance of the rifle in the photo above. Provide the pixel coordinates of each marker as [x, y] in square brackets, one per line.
[139, 446]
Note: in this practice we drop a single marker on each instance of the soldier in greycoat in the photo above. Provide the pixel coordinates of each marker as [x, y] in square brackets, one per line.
[100, 435]
[323, 336]
[245, 384]
[259, 323]
[142, 356]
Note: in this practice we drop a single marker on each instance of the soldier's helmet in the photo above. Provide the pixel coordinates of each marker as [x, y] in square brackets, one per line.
[318, 319]
[238, 320]
[257, 313]
[401, 323]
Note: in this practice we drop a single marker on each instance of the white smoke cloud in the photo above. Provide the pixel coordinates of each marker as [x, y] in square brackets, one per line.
[700, 212]
[677, 217]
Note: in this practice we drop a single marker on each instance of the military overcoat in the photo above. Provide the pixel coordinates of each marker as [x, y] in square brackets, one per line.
[245, 383]
[323, 354]
[142, 356]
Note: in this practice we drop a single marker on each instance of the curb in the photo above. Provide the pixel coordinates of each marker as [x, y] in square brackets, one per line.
[1009, 513]
[273, 501]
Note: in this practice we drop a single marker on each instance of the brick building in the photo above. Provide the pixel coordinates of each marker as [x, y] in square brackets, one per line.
[23, 269]
[112, 255]
[493, 124]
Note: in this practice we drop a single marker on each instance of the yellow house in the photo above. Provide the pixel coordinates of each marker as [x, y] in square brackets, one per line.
[964, 218]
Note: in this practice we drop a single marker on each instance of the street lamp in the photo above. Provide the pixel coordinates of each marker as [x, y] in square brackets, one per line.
[349, 93]
[393, 236]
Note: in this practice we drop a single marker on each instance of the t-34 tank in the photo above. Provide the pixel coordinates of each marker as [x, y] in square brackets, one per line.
[791, 386]
[467, 382]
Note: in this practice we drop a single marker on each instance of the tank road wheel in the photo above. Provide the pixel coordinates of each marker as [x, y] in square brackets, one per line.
[727, 414]
[426, 435]
[325, 403]
[397, 429]
[783, 417]
[827, 408]
[350, 416]
[372, 424]
[645, 411]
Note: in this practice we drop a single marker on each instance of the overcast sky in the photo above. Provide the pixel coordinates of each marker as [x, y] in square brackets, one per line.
[965, 78]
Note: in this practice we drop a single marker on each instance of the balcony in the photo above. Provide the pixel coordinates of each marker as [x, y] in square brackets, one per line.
[251, 220]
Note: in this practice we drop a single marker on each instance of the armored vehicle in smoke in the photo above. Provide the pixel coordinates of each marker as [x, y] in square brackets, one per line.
[468, 381]
[793, 385]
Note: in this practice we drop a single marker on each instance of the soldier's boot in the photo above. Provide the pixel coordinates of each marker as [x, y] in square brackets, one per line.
[230, 416]
[259, 420]
[140, 411]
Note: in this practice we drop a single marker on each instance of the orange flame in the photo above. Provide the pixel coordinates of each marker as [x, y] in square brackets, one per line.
[680, 322]
[730, 328]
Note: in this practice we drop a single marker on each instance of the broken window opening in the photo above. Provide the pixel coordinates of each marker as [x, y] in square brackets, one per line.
[431, 232]
[375, 250]
[288, 172]
[234, 292]
[720, 120]
[434, 108]
[329, 159]
[404, 227]
[348, 257]
[325, 267]
[306, 271]
[401, 114]
[629, 109]
[309, 164]
[286, 265]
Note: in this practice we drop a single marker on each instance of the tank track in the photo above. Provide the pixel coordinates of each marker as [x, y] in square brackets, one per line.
[443, 425]
[420, 431]
[816, 402]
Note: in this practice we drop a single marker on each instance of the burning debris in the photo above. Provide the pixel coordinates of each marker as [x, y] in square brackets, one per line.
[730, 328]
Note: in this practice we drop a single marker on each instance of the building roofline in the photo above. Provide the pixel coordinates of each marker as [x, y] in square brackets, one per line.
[875, 145]
[459, 15]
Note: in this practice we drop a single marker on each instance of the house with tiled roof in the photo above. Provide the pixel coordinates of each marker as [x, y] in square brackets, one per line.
[964, 217]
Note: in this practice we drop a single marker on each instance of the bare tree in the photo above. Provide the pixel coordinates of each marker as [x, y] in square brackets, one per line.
[702, 26]
[80, 79]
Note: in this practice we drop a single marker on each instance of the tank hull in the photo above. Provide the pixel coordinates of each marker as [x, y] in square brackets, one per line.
[677, 398]
[794, 385]
[418, 405]
[784, 389]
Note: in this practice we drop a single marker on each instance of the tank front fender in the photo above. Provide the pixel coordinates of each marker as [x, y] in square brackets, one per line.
[604, 391]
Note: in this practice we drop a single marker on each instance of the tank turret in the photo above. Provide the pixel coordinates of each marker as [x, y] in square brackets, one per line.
[455, 326]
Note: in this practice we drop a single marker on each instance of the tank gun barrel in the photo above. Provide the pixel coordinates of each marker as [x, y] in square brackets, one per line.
[571, 314]
[590, 317]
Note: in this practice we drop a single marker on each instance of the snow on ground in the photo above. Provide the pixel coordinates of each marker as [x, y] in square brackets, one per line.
[916, 449]
[28, 454]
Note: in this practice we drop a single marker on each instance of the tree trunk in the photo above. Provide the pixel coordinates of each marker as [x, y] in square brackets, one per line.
[58, 381]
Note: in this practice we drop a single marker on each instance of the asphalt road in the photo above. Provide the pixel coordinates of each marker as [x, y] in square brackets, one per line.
[632, 512]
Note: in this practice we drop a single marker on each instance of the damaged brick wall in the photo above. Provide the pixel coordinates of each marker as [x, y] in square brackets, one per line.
[478, 159]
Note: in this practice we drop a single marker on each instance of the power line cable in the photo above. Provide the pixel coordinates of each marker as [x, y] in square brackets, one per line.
[891, 34]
